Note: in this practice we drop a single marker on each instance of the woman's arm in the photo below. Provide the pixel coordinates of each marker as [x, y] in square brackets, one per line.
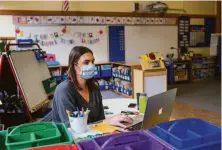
[64, 100]
[101, 112]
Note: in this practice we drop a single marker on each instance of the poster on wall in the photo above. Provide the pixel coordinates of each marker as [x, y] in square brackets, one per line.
[30, 19]
[74, 20]
[80, 20]
[68, 19]
[43, 19]
[37, 19]
[19, 19]
[49, 19]
[92, 20]
[62, 20]
[118, 20]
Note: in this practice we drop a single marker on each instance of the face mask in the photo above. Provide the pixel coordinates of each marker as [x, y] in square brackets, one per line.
[87, 71]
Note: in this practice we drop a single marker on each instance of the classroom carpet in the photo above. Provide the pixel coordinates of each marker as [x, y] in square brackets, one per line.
[205, 94]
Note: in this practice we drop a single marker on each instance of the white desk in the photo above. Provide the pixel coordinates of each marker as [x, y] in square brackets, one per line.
[115, 106]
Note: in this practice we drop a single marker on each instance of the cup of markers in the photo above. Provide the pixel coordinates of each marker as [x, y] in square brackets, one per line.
[78, 120]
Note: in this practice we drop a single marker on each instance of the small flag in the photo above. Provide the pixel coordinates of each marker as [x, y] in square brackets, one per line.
[66, 5]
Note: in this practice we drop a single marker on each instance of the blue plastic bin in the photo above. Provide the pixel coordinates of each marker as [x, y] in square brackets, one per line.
[58, 78]
[106, 73]
[97, 74]
[129, 92]
[102, 87]
[137, 140]
[188, 134]
[110, 86]
[64, 77]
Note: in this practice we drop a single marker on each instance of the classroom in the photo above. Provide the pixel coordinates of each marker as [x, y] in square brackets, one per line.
[110, 75]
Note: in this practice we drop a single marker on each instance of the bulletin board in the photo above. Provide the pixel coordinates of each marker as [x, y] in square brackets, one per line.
[62, 45]
[195, 32]
[30, 73]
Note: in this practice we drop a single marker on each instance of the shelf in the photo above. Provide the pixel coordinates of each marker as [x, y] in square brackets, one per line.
[122, 79]
[125, 95]
[201, 68]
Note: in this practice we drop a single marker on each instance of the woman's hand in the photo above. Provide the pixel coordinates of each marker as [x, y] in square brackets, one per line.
[119, 120]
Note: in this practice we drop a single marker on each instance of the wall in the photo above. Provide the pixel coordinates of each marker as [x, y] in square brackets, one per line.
[194, 7]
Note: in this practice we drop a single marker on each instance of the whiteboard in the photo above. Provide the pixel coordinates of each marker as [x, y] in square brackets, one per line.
[30, 74]
[100, 49]
[154, 85]
[144, 39]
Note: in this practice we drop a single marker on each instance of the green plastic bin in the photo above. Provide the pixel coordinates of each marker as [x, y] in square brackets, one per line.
[49, 85]
[2, 139]
[32, 134]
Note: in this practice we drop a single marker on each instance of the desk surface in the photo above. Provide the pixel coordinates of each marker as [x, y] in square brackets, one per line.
[180, 110]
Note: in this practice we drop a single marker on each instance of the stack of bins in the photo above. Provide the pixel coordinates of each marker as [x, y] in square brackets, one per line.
[188, 134]
[136, 140]
[34, 135]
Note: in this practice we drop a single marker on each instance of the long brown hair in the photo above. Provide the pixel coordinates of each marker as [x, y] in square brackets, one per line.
[74, 56]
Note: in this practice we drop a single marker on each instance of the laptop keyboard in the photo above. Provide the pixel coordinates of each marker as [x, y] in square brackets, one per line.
[135, 127]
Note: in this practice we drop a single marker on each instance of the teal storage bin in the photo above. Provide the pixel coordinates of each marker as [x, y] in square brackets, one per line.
[31, 135]
[2, 140]
[188, 134]
[49, 85]
[64, 138]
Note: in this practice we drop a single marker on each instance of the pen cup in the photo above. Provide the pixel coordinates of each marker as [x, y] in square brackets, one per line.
[78, 124]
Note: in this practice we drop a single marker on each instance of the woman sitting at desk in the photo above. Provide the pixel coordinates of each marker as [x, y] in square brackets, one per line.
[80, 90]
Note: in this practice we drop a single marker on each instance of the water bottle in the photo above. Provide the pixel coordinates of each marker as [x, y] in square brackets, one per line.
[142, 102]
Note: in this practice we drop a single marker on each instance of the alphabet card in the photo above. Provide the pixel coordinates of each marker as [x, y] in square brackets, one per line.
[68, 19]
[80, 20]
[43, 19]
[62, 20]
[49, 19]
[37, 19]
[30, 19]
[74, 20]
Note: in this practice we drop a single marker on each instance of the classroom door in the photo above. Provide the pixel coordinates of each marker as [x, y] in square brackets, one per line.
[116, 43]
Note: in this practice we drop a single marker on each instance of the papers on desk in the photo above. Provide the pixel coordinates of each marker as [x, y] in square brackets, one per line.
[103, 128]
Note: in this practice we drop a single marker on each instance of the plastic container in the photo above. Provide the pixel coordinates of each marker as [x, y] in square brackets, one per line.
[106, 73]
[188, 134]
[142, 101]
[49, 84]
[58, 78]
[129, 92]
[97, 72]
[3, 139]
[137, 140]
[102, 87]
[56, 147]
[36, 134]
[64, 77]
[26, 135]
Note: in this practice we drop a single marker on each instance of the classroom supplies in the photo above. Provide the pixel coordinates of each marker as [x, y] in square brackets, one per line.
[137, 140]
[103, 128]
[78, 120]
[150, 61]
[189, 133]
[78, 124]
[34, 134]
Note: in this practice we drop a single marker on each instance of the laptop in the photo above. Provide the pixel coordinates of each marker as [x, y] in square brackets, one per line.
[158, 109]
